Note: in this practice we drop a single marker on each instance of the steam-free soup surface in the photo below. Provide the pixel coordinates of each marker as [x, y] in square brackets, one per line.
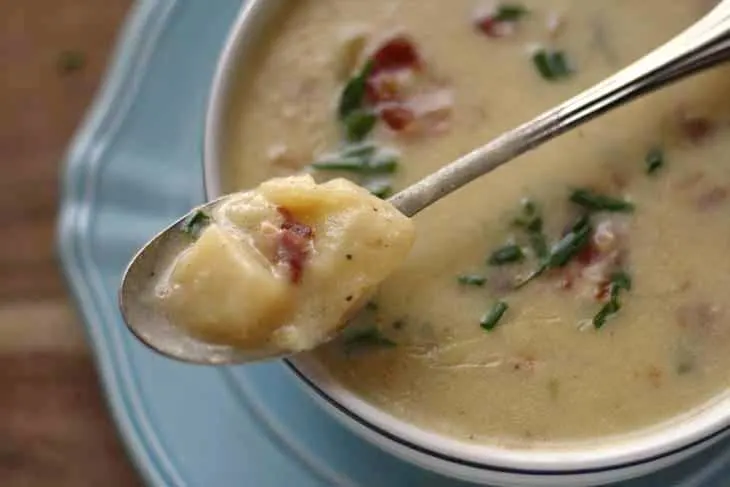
[628, 331]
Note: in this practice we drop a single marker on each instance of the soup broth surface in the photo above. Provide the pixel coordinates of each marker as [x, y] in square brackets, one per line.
[544, 371]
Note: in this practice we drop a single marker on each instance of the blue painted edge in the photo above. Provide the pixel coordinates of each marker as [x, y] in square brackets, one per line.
[137, 38]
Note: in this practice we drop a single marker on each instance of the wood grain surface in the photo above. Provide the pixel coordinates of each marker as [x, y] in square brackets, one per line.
[55, 429]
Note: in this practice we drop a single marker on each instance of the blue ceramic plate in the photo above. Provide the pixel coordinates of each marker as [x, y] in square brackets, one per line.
[135, 165]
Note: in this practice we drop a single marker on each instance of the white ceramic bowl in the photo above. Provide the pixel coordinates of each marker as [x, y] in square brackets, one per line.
[571, 465]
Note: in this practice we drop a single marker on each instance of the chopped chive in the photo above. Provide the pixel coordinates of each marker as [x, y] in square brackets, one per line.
[385, 165]
[383, 162]
[344, 163]
[654, 160]
[358, 124]
[592, 201]
[70, 61]
[552, 65]
[362, 150]
[619, 281]
[380, 189]
[368, 337]
[563, 250]
[471, 280]
[509, 12]
[571, 244]
[508, 254]
[353, 95]
[532, 276]
[491, 318]
[194, 224]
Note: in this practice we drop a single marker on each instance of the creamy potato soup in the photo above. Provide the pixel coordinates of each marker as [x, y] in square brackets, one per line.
[576, 293]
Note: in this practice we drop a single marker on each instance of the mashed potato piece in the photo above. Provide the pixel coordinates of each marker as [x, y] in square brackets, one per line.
[286, 264]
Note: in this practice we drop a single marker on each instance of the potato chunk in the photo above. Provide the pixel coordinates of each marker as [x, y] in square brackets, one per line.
[286, 264]
[224, 291]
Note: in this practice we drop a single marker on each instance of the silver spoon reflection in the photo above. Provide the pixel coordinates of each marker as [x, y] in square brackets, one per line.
[703, 45]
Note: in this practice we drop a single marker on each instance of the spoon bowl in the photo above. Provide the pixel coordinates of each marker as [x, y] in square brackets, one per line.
[150, 325]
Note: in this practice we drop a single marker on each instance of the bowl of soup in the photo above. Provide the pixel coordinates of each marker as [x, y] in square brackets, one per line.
[561, 321]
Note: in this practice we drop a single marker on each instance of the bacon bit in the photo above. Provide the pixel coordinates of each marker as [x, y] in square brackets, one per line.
[397, 117]
[602, 290]
[696, 128]
[567, 281]
[588, 254]
[292, 251]
[711, 199]
[388, 86]
[404, 96]
[292, 244]
[396, 53]
[494, 28]
[487, 22]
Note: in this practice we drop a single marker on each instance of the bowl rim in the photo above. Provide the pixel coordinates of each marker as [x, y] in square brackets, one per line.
[704, 424]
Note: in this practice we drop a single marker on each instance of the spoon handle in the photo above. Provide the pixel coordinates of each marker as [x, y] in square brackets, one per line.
[703, 45]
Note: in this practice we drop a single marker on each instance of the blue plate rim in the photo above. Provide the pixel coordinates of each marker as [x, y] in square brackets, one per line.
[137, 40]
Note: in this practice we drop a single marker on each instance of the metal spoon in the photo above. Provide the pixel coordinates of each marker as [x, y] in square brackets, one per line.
[703, 45]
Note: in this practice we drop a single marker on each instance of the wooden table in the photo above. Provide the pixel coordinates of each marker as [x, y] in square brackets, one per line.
[55, 429]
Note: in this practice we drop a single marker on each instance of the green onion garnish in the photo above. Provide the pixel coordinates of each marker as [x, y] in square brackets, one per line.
[564, 250]
[654, 160]
[375, 165]
[380, 189]
[70, 61]
[358, 124]
[508, 254]
[509, 13]
[353, 95]
[194, 224]
[592, 201]
[364, 150]
[471, 280]
[491, 318]
[552, 65]
[619, 281]
[571, 244]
